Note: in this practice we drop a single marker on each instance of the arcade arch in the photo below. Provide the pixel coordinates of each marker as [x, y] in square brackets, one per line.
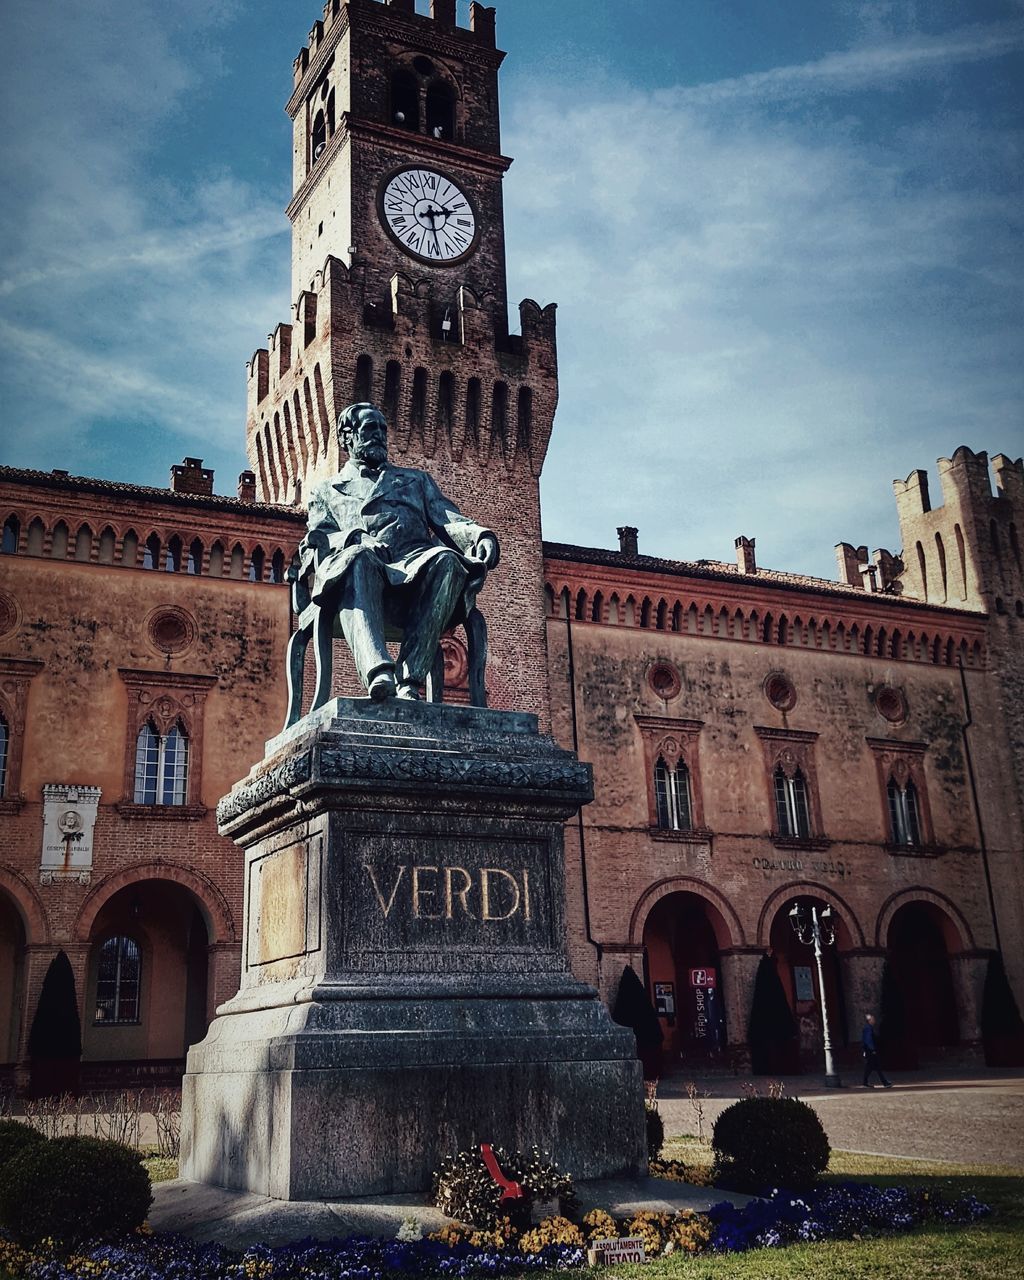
[684, 933]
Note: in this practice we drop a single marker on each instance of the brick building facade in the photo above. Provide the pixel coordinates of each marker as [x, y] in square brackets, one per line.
[758, 737]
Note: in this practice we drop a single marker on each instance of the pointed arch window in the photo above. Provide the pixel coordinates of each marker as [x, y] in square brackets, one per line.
[161, 765]
[792, 812]
[12, 532]
[904, 795]
[15, 677]
[904, 814]
[672, 796]
[118, 982]
[672, 761]
[5, 738]
[789, 756]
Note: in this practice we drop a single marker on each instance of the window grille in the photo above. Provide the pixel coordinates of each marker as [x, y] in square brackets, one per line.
[161, 766]
[904, 818]
[117, 981]
[672, 792]
[791, 808]
[4, 741]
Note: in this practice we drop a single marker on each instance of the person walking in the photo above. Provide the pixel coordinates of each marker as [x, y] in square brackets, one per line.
[869, 1043]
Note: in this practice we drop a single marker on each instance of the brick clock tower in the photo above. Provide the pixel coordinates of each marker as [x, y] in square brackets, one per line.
[398, 276]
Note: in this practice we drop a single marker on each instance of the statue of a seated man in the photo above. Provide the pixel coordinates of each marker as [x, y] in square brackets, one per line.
[389, 549]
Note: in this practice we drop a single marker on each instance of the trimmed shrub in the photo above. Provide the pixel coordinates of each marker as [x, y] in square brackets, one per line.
[655, 1131]
[632, 1008]
[772, 1031]
[1001, 1026]
[760, 1143]
[73, 1189]
[15, 1137]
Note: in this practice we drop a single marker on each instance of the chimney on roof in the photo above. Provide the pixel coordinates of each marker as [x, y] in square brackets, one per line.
[247, 486]
[745, 560]
[849, 559]
[627, 541]
[191, 476]
[889, 568]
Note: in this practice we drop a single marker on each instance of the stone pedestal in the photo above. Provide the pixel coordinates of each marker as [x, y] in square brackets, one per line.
[405, 990]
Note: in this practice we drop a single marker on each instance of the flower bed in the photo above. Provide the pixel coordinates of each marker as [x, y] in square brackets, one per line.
[836, 1212]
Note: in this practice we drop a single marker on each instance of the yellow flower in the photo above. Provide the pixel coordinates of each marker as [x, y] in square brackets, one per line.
[556, 1230]
[600, 1225]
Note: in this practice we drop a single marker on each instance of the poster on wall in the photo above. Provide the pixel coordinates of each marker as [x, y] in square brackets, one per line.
[707, 1023]
[803, 982]
[665, 999]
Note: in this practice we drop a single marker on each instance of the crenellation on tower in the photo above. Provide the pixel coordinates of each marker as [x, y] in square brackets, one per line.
[963, 552]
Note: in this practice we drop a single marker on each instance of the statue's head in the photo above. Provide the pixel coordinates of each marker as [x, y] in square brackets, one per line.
[363, 433]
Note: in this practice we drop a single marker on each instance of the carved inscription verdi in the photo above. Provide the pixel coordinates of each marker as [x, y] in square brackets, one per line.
[436, 893]
[448, 893]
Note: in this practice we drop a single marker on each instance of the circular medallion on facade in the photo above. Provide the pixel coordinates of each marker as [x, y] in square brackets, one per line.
[891, 704]
[456, 662]
[664, 680]
[8, 613]
[170, 629]
[780, 691]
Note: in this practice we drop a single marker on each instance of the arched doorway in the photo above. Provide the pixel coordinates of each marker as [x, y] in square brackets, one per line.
[146, 984]
[683, 936]
[12, 974]
[798, 974]
[920, 1012]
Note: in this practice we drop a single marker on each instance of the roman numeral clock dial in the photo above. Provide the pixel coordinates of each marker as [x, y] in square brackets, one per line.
[429, 215]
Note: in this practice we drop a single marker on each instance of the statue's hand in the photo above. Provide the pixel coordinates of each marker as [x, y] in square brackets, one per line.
[486, 550]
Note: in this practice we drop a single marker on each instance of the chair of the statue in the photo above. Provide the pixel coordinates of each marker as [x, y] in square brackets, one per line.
[312, 621]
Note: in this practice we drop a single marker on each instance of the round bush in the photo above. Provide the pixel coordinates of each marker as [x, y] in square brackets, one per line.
[15, 1137]
[761, 1143]
[73, 1189]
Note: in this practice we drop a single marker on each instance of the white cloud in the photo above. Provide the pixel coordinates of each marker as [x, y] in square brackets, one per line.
[126, 296]
[873, 66]
[793, 315]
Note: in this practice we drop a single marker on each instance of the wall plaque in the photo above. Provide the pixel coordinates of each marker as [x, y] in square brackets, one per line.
[69, 816]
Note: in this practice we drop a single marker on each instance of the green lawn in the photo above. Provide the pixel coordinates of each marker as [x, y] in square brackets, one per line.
[990, 1250]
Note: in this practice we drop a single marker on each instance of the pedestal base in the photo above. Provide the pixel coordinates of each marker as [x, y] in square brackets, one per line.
[367, 1113]
[405, 990]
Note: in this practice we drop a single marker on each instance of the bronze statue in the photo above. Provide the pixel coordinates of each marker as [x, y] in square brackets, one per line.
[386, 553]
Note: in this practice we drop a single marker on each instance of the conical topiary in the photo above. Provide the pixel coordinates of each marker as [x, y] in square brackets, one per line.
[772, 1031]
[632, 1008]
[1002, 1028]
[55, 1038]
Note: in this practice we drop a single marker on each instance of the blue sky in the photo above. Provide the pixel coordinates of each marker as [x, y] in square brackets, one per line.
[785, 239]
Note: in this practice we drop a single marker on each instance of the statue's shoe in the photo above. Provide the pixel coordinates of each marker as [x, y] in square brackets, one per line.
[409, 692]
[382, 686]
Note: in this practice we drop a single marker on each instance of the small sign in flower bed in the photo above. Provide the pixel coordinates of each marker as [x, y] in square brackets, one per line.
[835, 1212]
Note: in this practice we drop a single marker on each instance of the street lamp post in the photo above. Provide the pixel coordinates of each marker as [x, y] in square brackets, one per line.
[813, 930]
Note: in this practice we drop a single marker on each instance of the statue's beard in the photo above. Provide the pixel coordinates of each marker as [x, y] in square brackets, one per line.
[371, 455]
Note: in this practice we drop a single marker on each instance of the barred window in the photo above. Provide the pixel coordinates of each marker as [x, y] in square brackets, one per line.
[161, 766]
[791, 809]
[672, 793]
[904, 817]
[4, 740]
[117, 981]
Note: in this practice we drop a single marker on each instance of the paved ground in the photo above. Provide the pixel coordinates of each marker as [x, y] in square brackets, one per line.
[239, 1219]
[969, 1118]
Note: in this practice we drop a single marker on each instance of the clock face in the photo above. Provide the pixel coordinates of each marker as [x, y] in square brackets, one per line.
[429, 215]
